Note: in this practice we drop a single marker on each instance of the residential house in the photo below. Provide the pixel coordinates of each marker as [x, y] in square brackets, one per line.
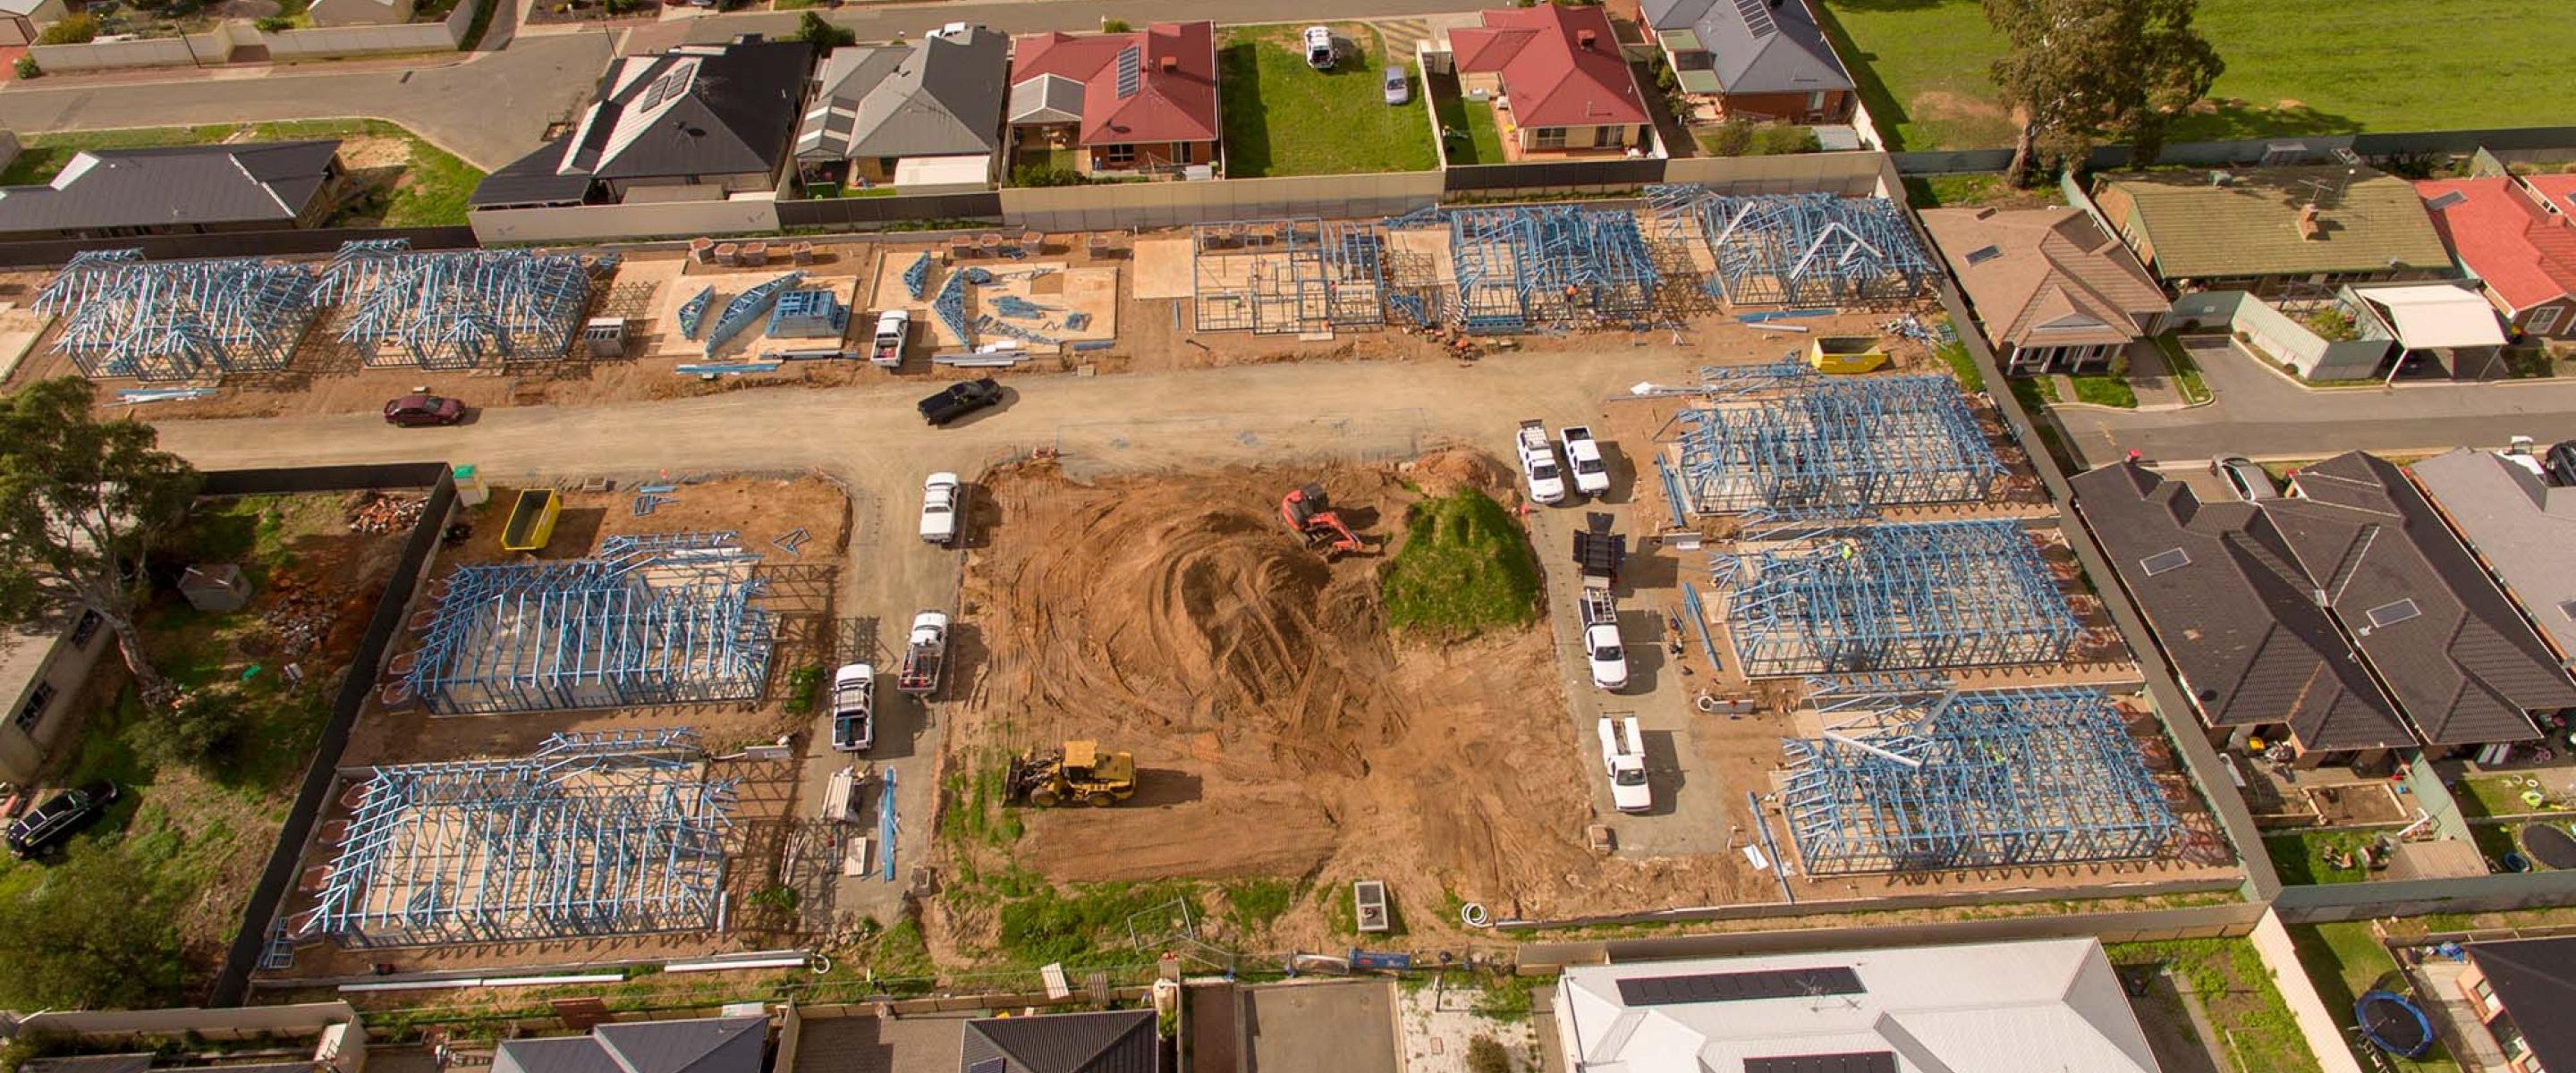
[695, 123]
[2057, 1002]
[2506, 235]
[701, 1045]
[42, 668]
[311, 1037]
[1755, 60]
[1559, 83]
[926, 115]
[2521, 990]
[2428, 328]
[2268, 610]
[359, 12]
[179, 190]
[22, 20]
[1138, 102]
[2294, 233]
[1116, 1041]
[2522, 529]
[2051, 290]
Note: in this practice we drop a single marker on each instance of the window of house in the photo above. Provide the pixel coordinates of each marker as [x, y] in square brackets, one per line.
[38, 699]
[1180, 152]
[1119, 155]
[2486, 996]
[1816, 100]
[2543, 320]
[1548, 137]
[85, 629]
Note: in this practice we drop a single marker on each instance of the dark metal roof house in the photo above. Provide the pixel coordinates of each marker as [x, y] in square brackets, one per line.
[705, 1045]
[713, 116]
[182, 189]
[1118, 1041]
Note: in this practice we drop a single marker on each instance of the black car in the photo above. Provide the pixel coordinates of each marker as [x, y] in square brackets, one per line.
[58, 819]
[959, 399]
[2559, 464]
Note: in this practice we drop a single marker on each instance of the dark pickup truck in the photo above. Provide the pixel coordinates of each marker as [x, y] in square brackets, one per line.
[959, 399]
[59, 818]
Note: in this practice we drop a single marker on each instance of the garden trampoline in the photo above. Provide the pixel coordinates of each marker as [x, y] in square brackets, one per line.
[2393, 1024]
[2549, 846]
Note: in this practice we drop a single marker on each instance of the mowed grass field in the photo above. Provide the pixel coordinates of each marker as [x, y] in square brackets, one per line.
[1285, 118]
[2294, 67]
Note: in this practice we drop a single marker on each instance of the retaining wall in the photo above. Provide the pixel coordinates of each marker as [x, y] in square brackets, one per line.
[215, 46]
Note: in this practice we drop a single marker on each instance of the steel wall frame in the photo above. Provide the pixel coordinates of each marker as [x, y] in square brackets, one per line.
[1829, 447]
[1895, 597]
[591, 835]
[1287, 276]
[454, 310]
[1551, 263]
[179, 320]
[1799, 249]
[660, 619]
[1917, 781]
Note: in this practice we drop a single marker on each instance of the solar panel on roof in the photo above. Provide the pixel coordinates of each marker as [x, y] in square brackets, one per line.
[1131, 71]
[2390, 614]
[1739, 986]
[2448, 199]
[1757, 17]
[1857, 1062]
[2168, 559]
[1983, 254]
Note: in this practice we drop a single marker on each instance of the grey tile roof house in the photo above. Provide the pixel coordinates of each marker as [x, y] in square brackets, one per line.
[1117, 1041]
[713, 116]
[1746, 46]
[2463, 665]
[941, 96]
[2231, 610]
[704, 1045]
[182, 189]
[2520, 527]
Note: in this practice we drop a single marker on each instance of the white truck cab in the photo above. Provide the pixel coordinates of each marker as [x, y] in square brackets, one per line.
[939, 509]
[1538, 464]
[1583, 455]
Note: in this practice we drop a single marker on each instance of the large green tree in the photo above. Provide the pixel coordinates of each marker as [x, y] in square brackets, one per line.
[2079, 71]
[83, 501]
[91, 935]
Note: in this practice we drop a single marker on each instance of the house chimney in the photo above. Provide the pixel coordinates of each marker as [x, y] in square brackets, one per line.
[2309, 226]
[1171, 64]
[1583, 39]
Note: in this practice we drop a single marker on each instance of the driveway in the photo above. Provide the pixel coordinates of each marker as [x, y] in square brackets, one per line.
[490, 110]
[2266, 415]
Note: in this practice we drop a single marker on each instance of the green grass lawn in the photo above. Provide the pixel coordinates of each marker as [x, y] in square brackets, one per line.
[430, 190]
[2239, 993]
[2301, 856]
[2102, 389]
[2343, 960]
[1464, 566]
[2297, 67]
[1468, 126]
[1978, 190]
[1285, 118]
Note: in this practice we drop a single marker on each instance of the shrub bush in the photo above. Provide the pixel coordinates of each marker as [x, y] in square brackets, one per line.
[202, 724]
[27, 68]
[78, 29]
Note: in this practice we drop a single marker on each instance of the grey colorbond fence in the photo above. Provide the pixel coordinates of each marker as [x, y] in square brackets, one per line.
[268, 896]
[35, 253]
[2317, 147]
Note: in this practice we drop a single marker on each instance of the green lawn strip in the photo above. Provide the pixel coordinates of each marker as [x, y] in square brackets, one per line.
[1285, 118]
[2300, 856]
[1963, 365]
[1465, 566]
[2034, 393]
[1482, 141]
[2101, 389]
[1923, 68]
[2343, 960]
[432, 191]
[2237, 990]
[2186, 372]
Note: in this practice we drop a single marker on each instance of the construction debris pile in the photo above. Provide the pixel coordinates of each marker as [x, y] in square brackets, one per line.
[376, 512]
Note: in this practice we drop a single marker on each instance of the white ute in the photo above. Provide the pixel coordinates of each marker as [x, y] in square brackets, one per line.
[1601, 639]
[854, 727]
[1623, 758]
[923, 655]
[1583, 455]
[885, 350]
[1538, 464]
[939, 509]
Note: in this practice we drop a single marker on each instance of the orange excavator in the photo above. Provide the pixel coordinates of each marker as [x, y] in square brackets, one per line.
[1310, 514]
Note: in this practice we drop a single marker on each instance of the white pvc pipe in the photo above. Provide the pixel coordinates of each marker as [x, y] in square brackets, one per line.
[797, 962]
[540, 981]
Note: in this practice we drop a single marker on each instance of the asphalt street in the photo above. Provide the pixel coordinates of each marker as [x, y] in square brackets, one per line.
[2265, 415]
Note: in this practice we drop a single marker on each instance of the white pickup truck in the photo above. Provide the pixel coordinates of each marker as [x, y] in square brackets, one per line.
[1538, 464]
[854, 725]
[1583, 455]
[924, 654]
[885, 350]
[1601, 646]
[1623, 758]
[939, 496]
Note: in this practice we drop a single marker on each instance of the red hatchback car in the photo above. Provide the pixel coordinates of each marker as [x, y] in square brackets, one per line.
[414, 411]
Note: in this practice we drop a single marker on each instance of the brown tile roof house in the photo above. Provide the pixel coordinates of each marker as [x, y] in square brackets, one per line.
[2262, 223]
[1560, 70]
[2046, 281]
[2231, 610]
[1155, 86]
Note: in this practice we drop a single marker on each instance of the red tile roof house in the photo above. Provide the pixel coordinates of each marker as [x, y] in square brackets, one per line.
[1144, 101]
[1561, 86]
[2522, 253]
